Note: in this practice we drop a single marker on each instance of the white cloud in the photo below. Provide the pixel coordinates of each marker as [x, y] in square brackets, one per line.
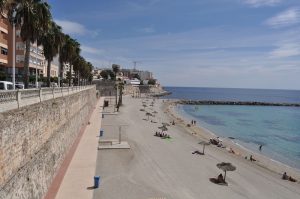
[70, 27]
[286, 50]
[91, 50]
[210, 57]
[285, 18]
[259, 3]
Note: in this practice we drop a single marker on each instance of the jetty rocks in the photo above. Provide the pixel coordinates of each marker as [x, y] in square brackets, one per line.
[211, 102]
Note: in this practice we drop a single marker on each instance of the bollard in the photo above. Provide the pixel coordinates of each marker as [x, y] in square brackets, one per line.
[96, 181]
[102, 115]
[101, 133]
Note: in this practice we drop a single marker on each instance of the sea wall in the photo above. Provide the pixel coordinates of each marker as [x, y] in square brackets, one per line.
[209, 102]
[34, 140]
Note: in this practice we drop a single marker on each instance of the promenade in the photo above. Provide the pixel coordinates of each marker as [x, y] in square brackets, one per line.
[75, 177]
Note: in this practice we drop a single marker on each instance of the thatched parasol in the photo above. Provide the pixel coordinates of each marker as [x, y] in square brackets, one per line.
[148, 115]
[165, 124]
[226, 166]
[163, 128]
[204, 143]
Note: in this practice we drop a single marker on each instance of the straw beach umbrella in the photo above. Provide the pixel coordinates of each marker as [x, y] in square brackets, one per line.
[165, 124]
[204, 143]
[148, 115]
[226, 166]
[163, 128]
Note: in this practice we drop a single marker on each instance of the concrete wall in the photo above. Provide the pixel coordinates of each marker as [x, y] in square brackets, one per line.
[34, 140]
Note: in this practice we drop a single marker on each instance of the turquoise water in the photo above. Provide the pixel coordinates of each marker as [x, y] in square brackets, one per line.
[276, 128]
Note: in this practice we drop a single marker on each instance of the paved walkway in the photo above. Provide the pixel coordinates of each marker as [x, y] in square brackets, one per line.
[75, 179]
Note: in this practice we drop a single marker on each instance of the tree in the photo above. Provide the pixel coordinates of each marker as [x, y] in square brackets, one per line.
[51, 42]
[116, 69]
[73, 54]
[136, 76]
[32, 16]
[69, 51]
[104, 74]
[121, 87]
[152, 81]
[3, 5]
[2, 76]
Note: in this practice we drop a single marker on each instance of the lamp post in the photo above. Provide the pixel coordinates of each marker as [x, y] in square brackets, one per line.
[36, 71]
[14, 51]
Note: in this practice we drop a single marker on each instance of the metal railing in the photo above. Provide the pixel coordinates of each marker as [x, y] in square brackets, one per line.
[19, 98]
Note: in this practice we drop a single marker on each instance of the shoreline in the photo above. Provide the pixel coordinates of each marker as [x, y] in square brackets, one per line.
[203, 133]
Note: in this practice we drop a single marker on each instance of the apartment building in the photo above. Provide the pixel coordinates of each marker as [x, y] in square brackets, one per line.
[4, 26]
[37, 62]
[144, 75]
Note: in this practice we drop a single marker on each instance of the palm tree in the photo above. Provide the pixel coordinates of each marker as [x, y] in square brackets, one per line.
[51, 41]
[73, 55]
[64, 55]
[116, 69]
[85, 71]
[3, 4]
[78, 65]
[32, 16]
[68, 52]
[121, 87]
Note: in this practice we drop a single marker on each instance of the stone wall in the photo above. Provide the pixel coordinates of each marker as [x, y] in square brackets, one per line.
[105, 87]
[34, 140]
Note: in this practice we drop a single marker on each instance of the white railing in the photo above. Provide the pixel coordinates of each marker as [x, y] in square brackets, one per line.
[18, 98]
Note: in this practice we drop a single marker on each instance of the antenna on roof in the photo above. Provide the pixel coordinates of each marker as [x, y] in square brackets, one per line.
[134, 64]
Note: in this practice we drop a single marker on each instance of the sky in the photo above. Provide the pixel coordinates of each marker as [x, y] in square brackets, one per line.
[197, 43]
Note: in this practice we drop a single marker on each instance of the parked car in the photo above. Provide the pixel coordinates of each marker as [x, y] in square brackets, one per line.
[5, 85]
[19, 86]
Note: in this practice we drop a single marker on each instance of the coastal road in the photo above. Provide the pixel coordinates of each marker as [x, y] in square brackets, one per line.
[159, 168]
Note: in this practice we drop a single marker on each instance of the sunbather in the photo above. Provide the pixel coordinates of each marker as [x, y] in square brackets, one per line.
[251, 158]
[285, 176]
[220, 178]
[292, 179]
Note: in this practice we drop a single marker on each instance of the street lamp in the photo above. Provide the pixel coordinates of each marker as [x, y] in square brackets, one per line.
[36, 64]
[14, 50]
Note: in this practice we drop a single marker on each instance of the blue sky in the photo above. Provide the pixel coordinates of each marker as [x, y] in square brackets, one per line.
[205, 43]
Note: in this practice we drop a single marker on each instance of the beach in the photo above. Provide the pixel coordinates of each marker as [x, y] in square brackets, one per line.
[241, 151]
[166, 168]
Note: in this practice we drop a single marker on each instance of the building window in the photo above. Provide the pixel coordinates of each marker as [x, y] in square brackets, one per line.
[19, 58]
[4, 51]
[18, 33]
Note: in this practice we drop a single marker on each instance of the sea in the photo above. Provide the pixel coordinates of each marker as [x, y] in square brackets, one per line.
[276, 128]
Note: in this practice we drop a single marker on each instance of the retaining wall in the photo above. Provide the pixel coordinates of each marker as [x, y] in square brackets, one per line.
[34, 140]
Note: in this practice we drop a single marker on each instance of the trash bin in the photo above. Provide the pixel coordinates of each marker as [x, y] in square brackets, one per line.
[96, 181]
[101, 133]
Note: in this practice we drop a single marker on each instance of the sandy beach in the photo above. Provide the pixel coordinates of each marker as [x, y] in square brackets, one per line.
[166, 168]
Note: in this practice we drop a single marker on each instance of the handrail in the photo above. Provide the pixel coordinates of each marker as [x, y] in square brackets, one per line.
[31, 96]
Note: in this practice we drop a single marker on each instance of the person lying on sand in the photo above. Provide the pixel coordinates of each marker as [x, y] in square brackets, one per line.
[214, 141]
[220, 178]
[231, 150]
[285, 176]
[290, 178]
[251, 158]
[197, 152]
[162, 135]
